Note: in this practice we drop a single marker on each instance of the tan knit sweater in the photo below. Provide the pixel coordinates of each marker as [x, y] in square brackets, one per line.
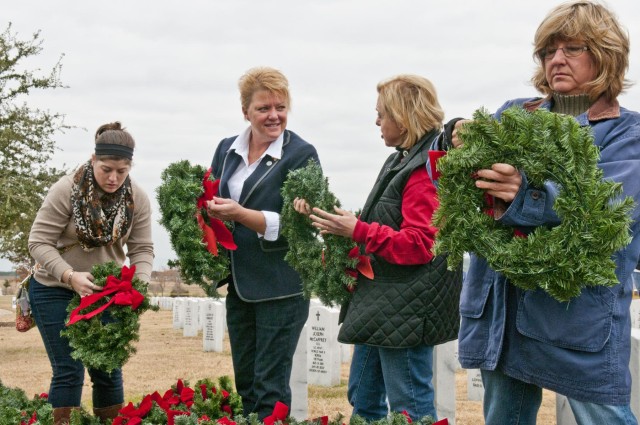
[54, 231]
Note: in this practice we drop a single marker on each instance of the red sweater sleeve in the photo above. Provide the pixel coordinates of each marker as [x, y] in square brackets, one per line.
[411, 244]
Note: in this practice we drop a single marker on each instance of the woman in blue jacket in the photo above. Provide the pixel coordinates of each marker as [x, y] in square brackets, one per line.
[524, 341]
[265, 308]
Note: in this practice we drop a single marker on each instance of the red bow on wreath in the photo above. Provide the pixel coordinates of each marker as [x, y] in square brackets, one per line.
[216, 231]
[363, 266]
[279, 413]
[124, 292]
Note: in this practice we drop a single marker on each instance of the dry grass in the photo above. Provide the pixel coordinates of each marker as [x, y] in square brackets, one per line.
[164, 355]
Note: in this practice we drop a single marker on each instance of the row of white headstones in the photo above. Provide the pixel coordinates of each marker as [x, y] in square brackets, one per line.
[319, 355]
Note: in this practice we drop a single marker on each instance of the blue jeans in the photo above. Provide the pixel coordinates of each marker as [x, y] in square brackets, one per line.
[263, 338]
[49, 308]
[401, 375]
[509, 401]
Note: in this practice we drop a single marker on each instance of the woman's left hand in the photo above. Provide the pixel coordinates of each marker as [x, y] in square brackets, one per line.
[502, 181]
[342, 223]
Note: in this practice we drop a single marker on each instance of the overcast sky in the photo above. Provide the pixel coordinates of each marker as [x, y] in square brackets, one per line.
[168, 71]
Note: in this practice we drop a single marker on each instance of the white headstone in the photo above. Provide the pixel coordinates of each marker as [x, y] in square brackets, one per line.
[634, 366]
[13, 303]
[635, 313]
[564, 414]
[475, 389]
[198, 313]
[298, 380]
[178, 313]
[445, 365]
[323, 351]
[190, 324]
[346, 352]
[213, 325]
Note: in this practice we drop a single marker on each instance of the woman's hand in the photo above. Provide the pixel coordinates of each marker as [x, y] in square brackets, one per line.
[501, 181]
[82, 283]
[342, 223]
[301, 206]
[225, 209]
[455, 141]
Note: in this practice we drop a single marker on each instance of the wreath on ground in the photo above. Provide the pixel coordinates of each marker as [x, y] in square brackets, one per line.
[206, 403]
[103, 326]
[327, 264]
[200, 243]
[561, 259]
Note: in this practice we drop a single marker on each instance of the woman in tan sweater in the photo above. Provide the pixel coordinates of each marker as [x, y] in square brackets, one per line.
[87, 218]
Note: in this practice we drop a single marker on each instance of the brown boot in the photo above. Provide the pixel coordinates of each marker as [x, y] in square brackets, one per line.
[107, 414]
[61, 415]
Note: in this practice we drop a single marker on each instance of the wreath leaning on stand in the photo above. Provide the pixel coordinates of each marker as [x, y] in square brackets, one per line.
[201, 243]
[102, 327]
[328, 265]
[546, 147]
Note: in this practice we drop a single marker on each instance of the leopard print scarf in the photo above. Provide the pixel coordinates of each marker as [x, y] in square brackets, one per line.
[100, 218]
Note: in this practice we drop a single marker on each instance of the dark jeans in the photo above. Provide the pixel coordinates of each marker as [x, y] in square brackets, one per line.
[263, 339]
[49, 307]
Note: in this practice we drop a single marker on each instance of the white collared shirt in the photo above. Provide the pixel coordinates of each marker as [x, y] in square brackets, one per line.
[244, 170]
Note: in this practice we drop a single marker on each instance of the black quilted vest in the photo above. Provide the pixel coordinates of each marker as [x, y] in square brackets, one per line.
[404, 305]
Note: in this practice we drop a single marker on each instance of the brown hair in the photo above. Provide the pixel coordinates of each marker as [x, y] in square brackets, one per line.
[263, 78]
[114, 134]
[412, 103]
[598, 27]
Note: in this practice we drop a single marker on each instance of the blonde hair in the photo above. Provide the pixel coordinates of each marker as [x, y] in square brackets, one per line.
[412, 103]
[607, 40]
[263, 78]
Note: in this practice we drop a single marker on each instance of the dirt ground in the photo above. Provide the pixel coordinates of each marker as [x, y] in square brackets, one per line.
[164, 356]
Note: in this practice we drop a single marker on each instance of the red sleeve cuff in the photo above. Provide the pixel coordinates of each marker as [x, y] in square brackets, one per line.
[360, 232]
[434, 156]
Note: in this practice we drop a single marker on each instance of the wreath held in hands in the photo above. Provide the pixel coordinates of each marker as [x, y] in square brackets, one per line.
[200, 242]
[326, 264]
[102, 327]
[545, 146]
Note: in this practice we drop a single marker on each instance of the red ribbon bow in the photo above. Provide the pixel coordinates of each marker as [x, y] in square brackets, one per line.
[363, 266]
[124, 292]
[280, 411]
[214, 232]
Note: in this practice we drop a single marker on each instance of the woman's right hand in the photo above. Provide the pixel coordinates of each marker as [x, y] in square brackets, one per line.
[82, 283]
[455, 141]
[301, 206]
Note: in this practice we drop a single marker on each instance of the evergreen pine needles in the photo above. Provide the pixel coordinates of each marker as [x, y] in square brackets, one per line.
[105, 341]
[177, 197]
[320, 261]
[594, 218]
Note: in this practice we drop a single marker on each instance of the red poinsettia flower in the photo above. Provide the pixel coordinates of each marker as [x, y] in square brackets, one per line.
[225, 421]
[404, 412]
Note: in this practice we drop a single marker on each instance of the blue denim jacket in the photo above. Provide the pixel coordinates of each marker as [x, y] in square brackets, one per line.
[580, 349]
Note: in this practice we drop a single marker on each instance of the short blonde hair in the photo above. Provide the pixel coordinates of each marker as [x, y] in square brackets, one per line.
[412, 103]
[263, 78]
[607, 40]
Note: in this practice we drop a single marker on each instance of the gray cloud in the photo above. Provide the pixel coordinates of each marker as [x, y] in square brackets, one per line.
[168, 70]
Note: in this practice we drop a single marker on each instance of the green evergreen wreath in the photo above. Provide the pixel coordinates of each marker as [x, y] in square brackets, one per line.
[546, 147]
[106, 344]
[320, 261]
[177, 196]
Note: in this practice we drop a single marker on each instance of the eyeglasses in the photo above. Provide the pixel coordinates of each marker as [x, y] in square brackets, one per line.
[569, 51]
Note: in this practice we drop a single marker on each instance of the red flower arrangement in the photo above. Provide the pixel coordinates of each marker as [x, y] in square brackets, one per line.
[209, 402]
